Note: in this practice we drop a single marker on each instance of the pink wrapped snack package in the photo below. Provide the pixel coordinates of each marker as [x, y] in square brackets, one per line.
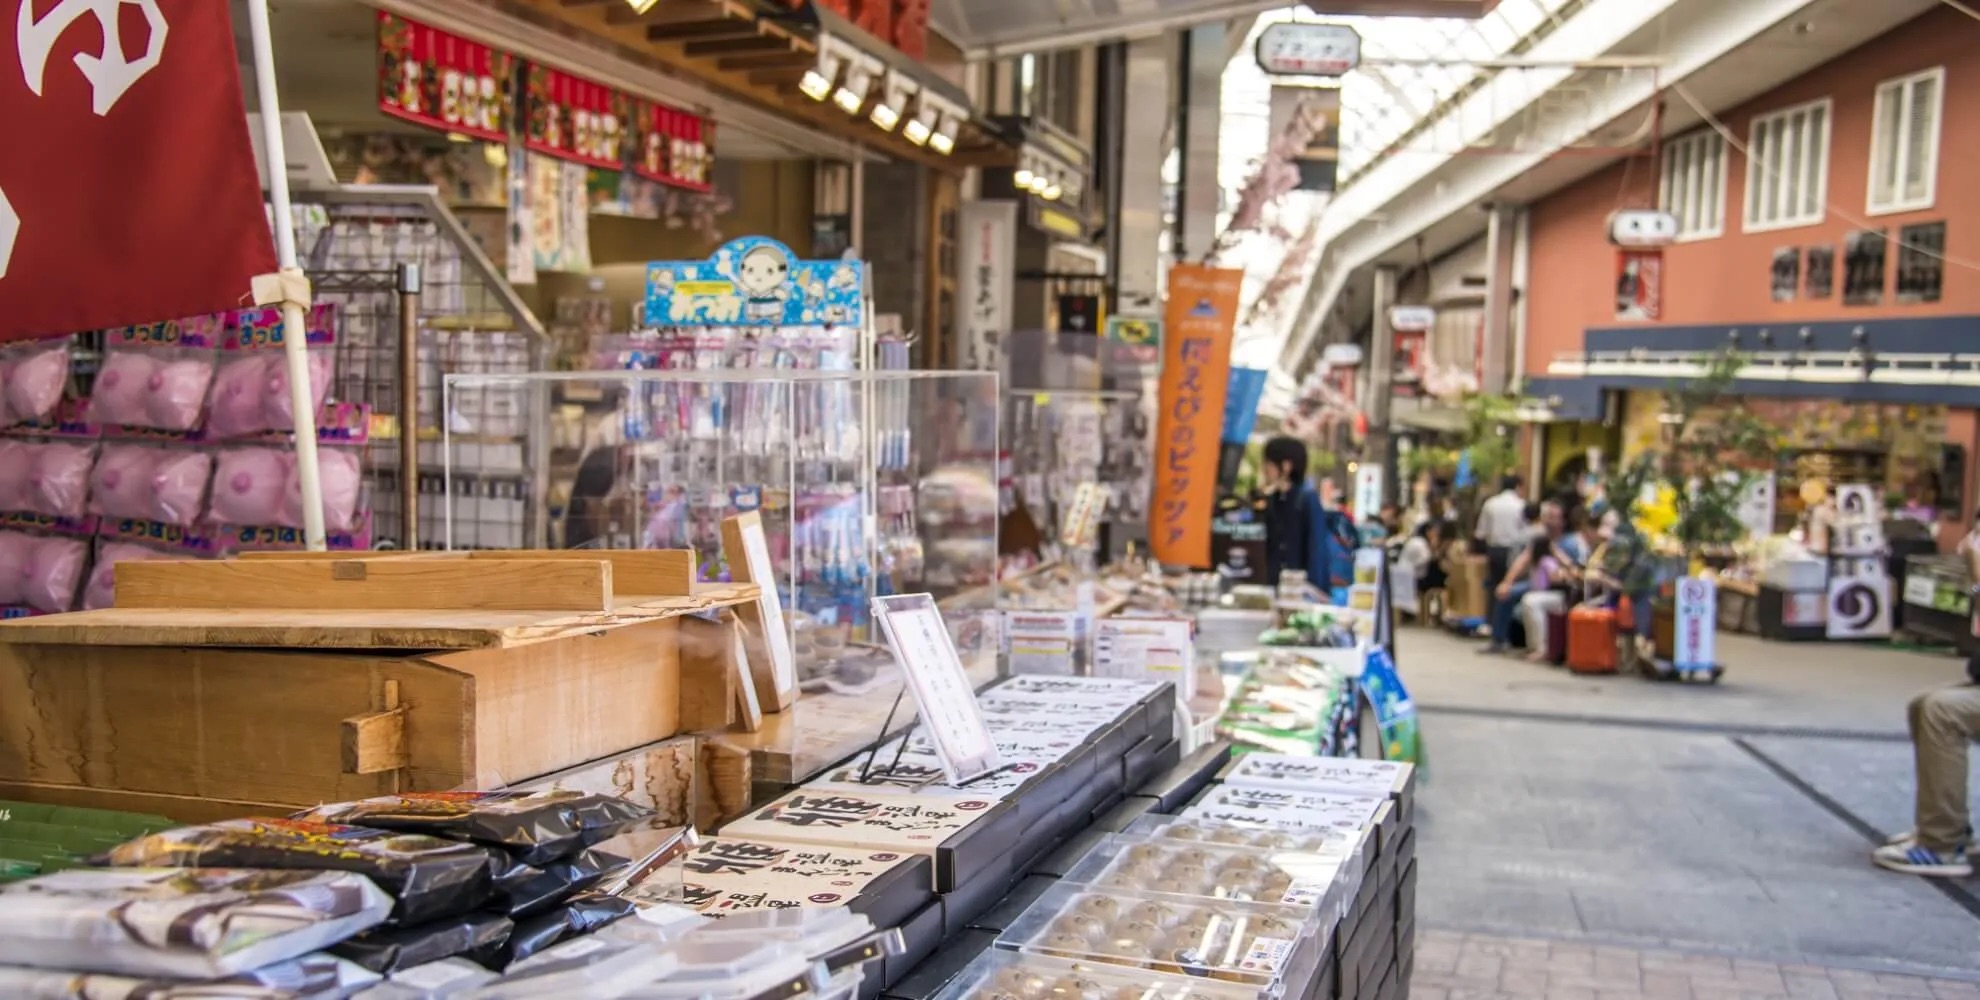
[249, 486]
[120, 484]
[340, 477]
[239, 403]
[53, 573]
[280, 414]
[118, 397]
[177, 393]
[101, 590]
[58, 480]
[16, 469]
[178, 487]
[35, 383]
[16, 552]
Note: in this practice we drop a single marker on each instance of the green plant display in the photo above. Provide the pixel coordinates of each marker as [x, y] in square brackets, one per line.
[1715, 448]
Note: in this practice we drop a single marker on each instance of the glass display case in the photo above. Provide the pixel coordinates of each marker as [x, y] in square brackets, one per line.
[867, 483]
[1938, 602]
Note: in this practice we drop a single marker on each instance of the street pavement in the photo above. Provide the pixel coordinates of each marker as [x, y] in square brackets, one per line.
[1726, 826]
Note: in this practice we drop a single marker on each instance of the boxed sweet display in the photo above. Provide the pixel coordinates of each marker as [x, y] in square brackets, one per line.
[1244, 806]
[1330, 775]
[1324, 880]
[1269, 948]
[963, 836]
[724, 875]
[1009, 975]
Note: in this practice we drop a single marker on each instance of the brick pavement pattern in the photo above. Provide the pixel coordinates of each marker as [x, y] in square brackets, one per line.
[1451, 966]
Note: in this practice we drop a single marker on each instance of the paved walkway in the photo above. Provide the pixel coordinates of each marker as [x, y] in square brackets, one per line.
[1730, 821]
[1453, 966]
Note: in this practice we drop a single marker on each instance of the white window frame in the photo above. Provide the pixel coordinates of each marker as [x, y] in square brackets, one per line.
[1695, 182]
[1756, 175]
[1905, 84]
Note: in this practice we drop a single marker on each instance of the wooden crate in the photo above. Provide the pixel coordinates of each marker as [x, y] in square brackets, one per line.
[284, 682]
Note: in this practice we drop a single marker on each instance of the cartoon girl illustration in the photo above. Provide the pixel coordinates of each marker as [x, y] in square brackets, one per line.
[762, 275]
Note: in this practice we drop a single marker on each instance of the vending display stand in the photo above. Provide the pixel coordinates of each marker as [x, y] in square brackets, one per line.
[225, 688]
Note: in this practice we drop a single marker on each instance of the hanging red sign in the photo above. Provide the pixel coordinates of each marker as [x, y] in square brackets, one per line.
[129, 192]
[574, 119]
[673, 147]
[1640, 284]
[430, 77]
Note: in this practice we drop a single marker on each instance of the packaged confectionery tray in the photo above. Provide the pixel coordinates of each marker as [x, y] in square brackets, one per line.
[1011, 975]
[1324, 880]
[1203, 831]
[1275, 949]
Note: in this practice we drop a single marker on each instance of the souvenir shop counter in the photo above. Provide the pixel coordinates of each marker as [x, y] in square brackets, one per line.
[223, 688]
[1102, 854]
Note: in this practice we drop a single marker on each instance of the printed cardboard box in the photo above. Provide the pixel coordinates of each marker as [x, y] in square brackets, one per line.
[962, 836]
[727, 875]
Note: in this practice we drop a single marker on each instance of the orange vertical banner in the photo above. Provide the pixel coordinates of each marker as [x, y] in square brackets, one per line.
[1199, 320]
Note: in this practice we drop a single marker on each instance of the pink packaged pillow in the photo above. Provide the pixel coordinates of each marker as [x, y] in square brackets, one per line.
[249, 486]
[177, 392]
[101, 590]
[53, 572]
[279, 414]
[16, 552]
[16, 470]
[341, 478]
[35, 384]
[120, 485]
[118, 397]
[59, 480]
[240, 392]
[178, 484]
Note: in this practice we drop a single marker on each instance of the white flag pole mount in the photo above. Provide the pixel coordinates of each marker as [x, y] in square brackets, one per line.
[289, 286]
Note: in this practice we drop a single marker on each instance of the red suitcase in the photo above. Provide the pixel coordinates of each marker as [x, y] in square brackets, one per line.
[1591, 641]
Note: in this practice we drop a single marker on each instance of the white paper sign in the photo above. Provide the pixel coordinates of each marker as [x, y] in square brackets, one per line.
[777, 636]
[1158, 649]
[1042, 642]
[950, 715]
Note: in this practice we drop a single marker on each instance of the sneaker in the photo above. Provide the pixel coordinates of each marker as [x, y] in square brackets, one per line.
[1906, 838]
[1914, 859]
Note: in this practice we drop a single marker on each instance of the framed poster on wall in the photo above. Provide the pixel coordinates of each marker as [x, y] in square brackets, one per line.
[1863, 268]
[1639, 284]
[1921, 262]
[1820, 274]
[1786, 273]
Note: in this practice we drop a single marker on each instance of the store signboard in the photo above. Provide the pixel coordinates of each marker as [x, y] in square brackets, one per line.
[673, 146]
[1308, 48]
[1367, 490]
[1695, 624]
[443, 81]
[755, 281]
[1133, 340]
[1201, 316]
[985, 280]
[128, 191]
[571, 118]
[950, 716]
[1241, 404]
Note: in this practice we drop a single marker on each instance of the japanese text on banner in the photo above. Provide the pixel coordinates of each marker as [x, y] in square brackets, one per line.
[1196, 369]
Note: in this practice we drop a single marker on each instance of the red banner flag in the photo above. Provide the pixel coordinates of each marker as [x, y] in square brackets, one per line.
[128, 190]
[1200, 319]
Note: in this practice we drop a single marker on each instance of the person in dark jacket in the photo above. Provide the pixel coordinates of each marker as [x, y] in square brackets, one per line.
[1300, 533]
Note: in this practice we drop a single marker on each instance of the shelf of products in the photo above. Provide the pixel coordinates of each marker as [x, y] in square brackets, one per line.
[1938, 601]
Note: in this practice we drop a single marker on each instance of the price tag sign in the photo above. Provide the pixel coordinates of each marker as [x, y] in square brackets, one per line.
[950, 715]
[1041, 642]
[749, 562]
[1155, 649]
[1089, 501]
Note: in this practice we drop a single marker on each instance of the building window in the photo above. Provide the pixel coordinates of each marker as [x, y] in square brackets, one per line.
[1904, 145]
[1787, 167]
[1694, 184]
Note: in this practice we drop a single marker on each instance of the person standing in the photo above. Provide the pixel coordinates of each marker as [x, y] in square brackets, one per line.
[1502, 526]
[1942, 723]
[1299, 533]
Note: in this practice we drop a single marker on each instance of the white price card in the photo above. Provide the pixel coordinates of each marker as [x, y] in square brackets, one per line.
[1157, 649]
[1041, 642]
[950, 715]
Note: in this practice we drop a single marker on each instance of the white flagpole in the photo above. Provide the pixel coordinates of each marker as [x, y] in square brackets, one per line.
[289, 287]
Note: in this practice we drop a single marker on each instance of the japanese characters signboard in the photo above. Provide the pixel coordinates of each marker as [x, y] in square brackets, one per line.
[942, 690]
[128, 191]
[574, 119]
[1196, 373]
[673, 146]
[985, 274]
[755, 281]
[1306, 48]
[430, 77]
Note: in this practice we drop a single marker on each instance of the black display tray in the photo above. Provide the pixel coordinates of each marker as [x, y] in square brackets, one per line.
[1117, 818]
[1014, 903]
[1173, 788]
[920, 936]
[928, 978]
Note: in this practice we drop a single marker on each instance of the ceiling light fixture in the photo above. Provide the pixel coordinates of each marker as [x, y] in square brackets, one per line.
[943, 140]
[922, 125]
[861, 71]
[641, 6]
[1022, 178]
[819, 80]
[892, 102]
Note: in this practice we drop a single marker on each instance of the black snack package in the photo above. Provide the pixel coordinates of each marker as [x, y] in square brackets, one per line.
[477, 937]
[525, 890]
[535, 827]
[584, 913]
[429, 877]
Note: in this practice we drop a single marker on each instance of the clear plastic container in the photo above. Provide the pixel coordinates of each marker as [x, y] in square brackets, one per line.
[1247, 806]
[1269, 948]
[1325, 880]
[779, 974]
[1012, 975]
[838, 937]
[1200, 831]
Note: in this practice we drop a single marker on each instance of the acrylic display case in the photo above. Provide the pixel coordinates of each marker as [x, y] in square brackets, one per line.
[997, 974]
[1325, 880]
[868, 483]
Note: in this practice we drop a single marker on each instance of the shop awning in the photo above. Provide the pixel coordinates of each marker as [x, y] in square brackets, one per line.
[986, 29]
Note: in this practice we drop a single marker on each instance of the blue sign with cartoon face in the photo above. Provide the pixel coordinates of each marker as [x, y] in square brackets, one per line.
[755, 281]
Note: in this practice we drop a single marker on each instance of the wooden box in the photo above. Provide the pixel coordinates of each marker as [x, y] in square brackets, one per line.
[223, 688]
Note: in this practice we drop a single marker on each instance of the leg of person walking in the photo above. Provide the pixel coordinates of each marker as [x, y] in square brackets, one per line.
[1943, 723]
